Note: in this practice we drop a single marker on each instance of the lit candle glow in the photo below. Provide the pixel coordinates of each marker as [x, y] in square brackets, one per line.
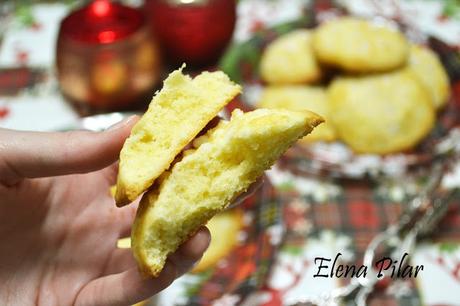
[100, 8]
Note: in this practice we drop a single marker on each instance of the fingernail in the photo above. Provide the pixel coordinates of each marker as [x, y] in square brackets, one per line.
[121, 123]
[205, 231]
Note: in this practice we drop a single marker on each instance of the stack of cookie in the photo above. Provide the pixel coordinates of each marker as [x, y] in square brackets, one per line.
[378, 92]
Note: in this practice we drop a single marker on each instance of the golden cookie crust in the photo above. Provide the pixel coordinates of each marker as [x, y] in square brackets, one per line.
[358, 45]
[431, 73]
[381, 114]
[289, 60]
[302, 97]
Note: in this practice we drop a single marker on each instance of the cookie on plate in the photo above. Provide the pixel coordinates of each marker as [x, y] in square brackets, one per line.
[381, 114]
[428, 68]
[358, 45]
[301, 97]
[289, 60]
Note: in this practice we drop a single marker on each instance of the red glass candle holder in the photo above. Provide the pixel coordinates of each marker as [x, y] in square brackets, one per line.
[192, 31]
[106, 56]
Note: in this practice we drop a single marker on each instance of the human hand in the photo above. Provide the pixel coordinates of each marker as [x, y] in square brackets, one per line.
[59, 226]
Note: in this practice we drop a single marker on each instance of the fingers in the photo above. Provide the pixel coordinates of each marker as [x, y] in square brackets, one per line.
[191, 251]
[121, 260]
[36, 154]
[127, 215]
[123, 289]
[129, 287]
[110, 174]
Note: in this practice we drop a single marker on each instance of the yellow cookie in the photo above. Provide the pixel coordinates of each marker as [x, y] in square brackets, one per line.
[381, 113]
[177, 113]
[231, 157]
[429, 70]
[297, 97]
[290, 60]
[359, 46]
[224, 229]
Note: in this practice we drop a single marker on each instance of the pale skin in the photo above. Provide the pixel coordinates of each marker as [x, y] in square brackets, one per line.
[59, 225]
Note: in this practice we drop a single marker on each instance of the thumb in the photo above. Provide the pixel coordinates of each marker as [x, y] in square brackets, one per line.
[39, 154]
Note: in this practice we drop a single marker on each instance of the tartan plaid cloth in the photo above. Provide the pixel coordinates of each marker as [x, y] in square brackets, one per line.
[360, 213]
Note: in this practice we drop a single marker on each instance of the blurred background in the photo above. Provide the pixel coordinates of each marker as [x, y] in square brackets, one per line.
[379, 178]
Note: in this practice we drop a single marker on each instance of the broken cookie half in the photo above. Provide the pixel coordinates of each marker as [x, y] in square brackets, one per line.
[228, 159]
[177, 113]
[190, 188]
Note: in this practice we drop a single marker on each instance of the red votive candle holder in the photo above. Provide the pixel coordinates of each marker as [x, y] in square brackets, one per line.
[106, 56]
[192, 31]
